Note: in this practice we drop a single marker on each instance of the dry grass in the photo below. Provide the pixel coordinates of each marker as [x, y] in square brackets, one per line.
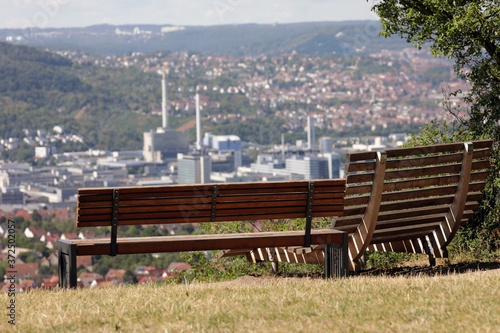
[456, 302]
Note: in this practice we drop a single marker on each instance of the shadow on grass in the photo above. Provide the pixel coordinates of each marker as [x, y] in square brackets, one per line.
[430, 271]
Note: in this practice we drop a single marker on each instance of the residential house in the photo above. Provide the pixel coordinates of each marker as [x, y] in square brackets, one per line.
[87, 278]
[35, 233]
[115, 276]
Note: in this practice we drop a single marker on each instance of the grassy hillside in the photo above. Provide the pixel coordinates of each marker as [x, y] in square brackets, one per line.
[452, 303]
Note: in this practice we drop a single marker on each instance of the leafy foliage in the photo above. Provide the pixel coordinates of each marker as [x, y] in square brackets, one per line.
[468, 32]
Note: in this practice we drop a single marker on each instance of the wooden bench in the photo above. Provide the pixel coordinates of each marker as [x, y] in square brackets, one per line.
[409, 200]
[107, 207]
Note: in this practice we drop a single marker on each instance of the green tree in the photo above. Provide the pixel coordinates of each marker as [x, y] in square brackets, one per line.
[468, 32]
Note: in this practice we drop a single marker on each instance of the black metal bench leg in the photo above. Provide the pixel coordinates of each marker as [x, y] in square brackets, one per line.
[429, 250]
[67, 264]
[336, 259]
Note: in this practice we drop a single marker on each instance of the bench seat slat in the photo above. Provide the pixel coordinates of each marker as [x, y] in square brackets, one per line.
[206, 242]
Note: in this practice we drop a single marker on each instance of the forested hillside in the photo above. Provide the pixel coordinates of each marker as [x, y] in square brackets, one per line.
[39, 90]
[314, 38]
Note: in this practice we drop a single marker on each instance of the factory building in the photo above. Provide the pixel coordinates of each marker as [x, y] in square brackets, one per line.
[165, 143]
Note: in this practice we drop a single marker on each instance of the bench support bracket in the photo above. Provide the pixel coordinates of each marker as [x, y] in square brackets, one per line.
[215, 192]
[114, 222]
[337, 258]
[67, 264]
[310, 200]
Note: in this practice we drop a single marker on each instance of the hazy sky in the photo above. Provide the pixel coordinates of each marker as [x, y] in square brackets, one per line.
[80, 13]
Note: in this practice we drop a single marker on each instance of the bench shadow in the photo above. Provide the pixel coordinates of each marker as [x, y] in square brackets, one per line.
[430, 271]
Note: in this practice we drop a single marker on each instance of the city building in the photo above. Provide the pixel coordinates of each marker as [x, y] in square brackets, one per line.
[194, 168]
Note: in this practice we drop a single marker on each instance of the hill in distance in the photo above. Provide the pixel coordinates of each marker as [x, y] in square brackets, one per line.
[316, 38]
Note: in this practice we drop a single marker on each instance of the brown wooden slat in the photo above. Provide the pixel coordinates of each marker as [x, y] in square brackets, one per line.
[433, 160]
[263, 191]
[424, 171]
[94, 204]
[398, 235]
[138, 209]
[402, 237]
[421, 150]
[359, 178]
[403, 195]
[261, 211]
[94, 197]
[412, 183]
[208, 242]
[358, 189]
[410, 213]
[189, 207]
[286, 203]
[410, 194]
[415, 162]
[410, 204]
[359, 166]
[208, 187]
[268, 197]
[409, 223]
[406, 213]
[189, 219]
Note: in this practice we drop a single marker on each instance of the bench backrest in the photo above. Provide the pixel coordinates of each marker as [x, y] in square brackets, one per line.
[412, 199]
[210, 203]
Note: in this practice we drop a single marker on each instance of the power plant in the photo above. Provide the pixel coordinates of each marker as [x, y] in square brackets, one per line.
[164, 144]
[195, 168]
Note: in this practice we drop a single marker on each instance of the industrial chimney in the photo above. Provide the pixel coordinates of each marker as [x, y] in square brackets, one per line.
[164, 101]
[198, 122]
[311, 135]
